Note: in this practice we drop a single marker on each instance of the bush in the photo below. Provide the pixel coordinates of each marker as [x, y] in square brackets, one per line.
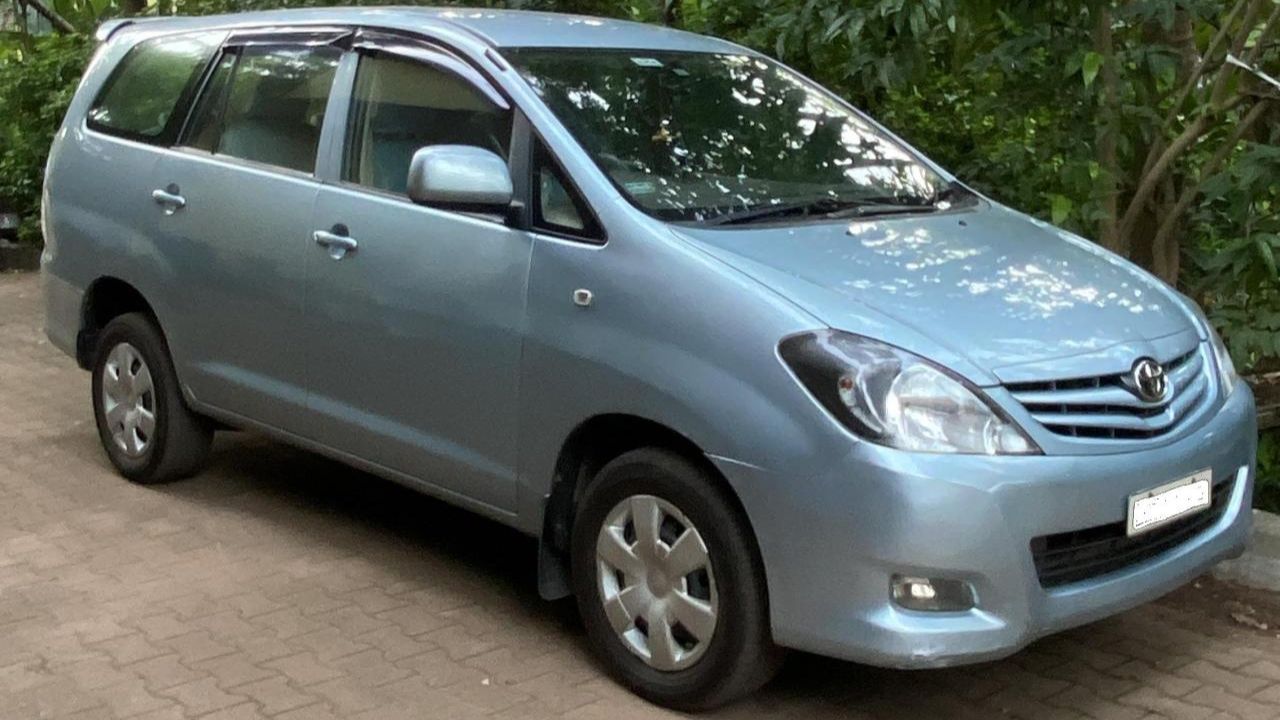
[1267, 488]
[37, 80]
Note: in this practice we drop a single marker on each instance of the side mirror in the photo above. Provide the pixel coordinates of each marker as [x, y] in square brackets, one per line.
[460, 176]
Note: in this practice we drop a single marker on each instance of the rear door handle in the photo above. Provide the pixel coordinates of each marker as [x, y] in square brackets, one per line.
[338, 243]
[169, 199]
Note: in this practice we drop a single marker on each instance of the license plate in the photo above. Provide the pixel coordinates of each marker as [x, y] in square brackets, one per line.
[1152, 508]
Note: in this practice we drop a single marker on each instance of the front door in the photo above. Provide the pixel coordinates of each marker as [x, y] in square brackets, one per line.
[238, 193]
[415, 314]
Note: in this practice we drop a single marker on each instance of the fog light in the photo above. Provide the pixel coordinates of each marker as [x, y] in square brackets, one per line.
[931, 594]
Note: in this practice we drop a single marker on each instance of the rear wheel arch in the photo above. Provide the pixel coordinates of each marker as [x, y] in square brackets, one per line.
[587, 449]
[106, 299]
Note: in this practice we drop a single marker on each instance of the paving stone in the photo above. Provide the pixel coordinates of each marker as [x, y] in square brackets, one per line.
[276, 695]
[202, 696]
[164, 672]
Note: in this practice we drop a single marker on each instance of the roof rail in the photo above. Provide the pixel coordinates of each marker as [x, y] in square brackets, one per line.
[109, 28]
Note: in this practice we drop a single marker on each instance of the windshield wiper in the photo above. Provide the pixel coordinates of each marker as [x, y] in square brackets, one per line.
[825, 208]
[879, 209]
[821, 206]
[947, 197]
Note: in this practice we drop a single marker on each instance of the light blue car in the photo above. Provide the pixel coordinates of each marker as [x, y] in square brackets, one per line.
[755, 373]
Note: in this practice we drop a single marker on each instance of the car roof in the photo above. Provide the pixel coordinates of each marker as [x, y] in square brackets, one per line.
[497, 28]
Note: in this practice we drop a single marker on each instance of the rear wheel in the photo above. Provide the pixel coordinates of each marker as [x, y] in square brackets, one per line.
[669, 586]
[149, 433]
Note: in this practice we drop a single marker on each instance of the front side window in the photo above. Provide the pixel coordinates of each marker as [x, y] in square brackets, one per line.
[701, 136]
[139, 100]
[266, 104]
[557, 207]
[400, 106]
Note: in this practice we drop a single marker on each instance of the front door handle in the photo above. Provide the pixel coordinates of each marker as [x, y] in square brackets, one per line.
[337, 241]
[169, 199]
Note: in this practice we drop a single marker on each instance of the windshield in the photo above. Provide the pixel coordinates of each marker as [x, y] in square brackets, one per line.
[708, 137]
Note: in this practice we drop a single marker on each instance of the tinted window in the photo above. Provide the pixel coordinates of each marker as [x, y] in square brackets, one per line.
[266, 104]
[400, 106]
[140, 98]
[556, 206]
[206, 121]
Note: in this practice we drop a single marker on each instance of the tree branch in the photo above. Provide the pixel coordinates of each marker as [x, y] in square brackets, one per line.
[1151, 179]
[1264, 37]
[1242, 36]
[1193, 81]
[1217, 103]
[54, 18]
[1163, 250]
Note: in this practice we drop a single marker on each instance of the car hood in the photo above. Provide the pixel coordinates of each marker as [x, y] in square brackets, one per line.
[986, 290]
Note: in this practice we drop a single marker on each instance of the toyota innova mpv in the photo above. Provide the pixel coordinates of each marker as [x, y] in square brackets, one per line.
[754, 372]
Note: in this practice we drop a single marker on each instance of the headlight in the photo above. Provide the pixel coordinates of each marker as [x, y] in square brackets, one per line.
[894, 398]
[1227, 374]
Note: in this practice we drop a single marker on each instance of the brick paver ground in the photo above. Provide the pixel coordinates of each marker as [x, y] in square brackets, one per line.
[277, 584]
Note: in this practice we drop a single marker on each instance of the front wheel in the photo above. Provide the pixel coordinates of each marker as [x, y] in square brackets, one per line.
[668, 583]
[149, 433]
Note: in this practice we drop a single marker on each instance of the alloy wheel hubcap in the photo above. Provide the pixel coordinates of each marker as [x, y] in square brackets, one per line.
[656, 583]
[128, 400]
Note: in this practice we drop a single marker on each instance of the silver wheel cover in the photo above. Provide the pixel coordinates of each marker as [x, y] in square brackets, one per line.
[128, 400]
[656, 582]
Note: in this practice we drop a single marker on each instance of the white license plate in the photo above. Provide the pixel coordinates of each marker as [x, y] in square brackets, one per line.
[1152, 508]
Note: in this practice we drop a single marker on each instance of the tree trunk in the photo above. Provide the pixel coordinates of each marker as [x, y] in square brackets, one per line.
[670, 12]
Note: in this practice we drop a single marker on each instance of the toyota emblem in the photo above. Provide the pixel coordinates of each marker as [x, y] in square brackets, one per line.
[1149, 381]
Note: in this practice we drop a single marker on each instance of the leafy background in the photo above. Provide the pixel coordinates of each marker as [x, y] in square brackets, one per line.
[1152, 126]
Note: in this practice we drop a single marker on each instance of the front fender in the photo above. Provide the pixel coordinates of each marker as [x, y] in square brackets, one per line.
[672, 336]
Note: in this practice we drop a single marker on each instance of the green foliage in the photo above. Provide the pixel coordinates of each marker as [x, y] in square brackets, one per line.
[1267, 486]
[1235, 257]
[36, 84]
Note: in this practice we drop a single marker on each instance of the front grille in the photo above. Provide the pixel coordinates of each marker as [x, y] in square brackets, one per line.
[1083, 554]
[1103, 408]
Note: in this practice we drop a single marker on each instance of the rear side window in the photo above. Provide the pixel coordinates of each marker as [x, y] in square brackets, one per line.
[143, 96]
[267, 105]
[400, 106]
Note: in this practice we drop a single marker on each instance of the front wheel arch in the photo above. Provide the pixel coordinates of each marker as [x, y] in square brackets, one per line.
[587, 449]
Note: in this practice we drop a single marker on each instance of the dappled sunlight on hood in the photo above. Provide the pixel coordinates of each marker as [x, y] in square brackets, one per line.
[1037, 288]
[991, 282]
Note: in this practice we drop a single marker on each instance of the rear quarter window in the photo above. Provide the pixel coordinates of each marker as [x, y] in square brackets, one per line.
[143, 98]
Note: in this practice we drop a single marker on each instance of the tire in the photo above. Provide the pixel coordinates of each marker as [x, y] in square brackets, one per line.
[697, 674]
[174, 442]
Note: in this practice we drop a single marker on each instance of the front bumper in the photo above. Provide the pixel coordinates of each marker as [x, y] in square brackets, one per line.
[831, 543]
